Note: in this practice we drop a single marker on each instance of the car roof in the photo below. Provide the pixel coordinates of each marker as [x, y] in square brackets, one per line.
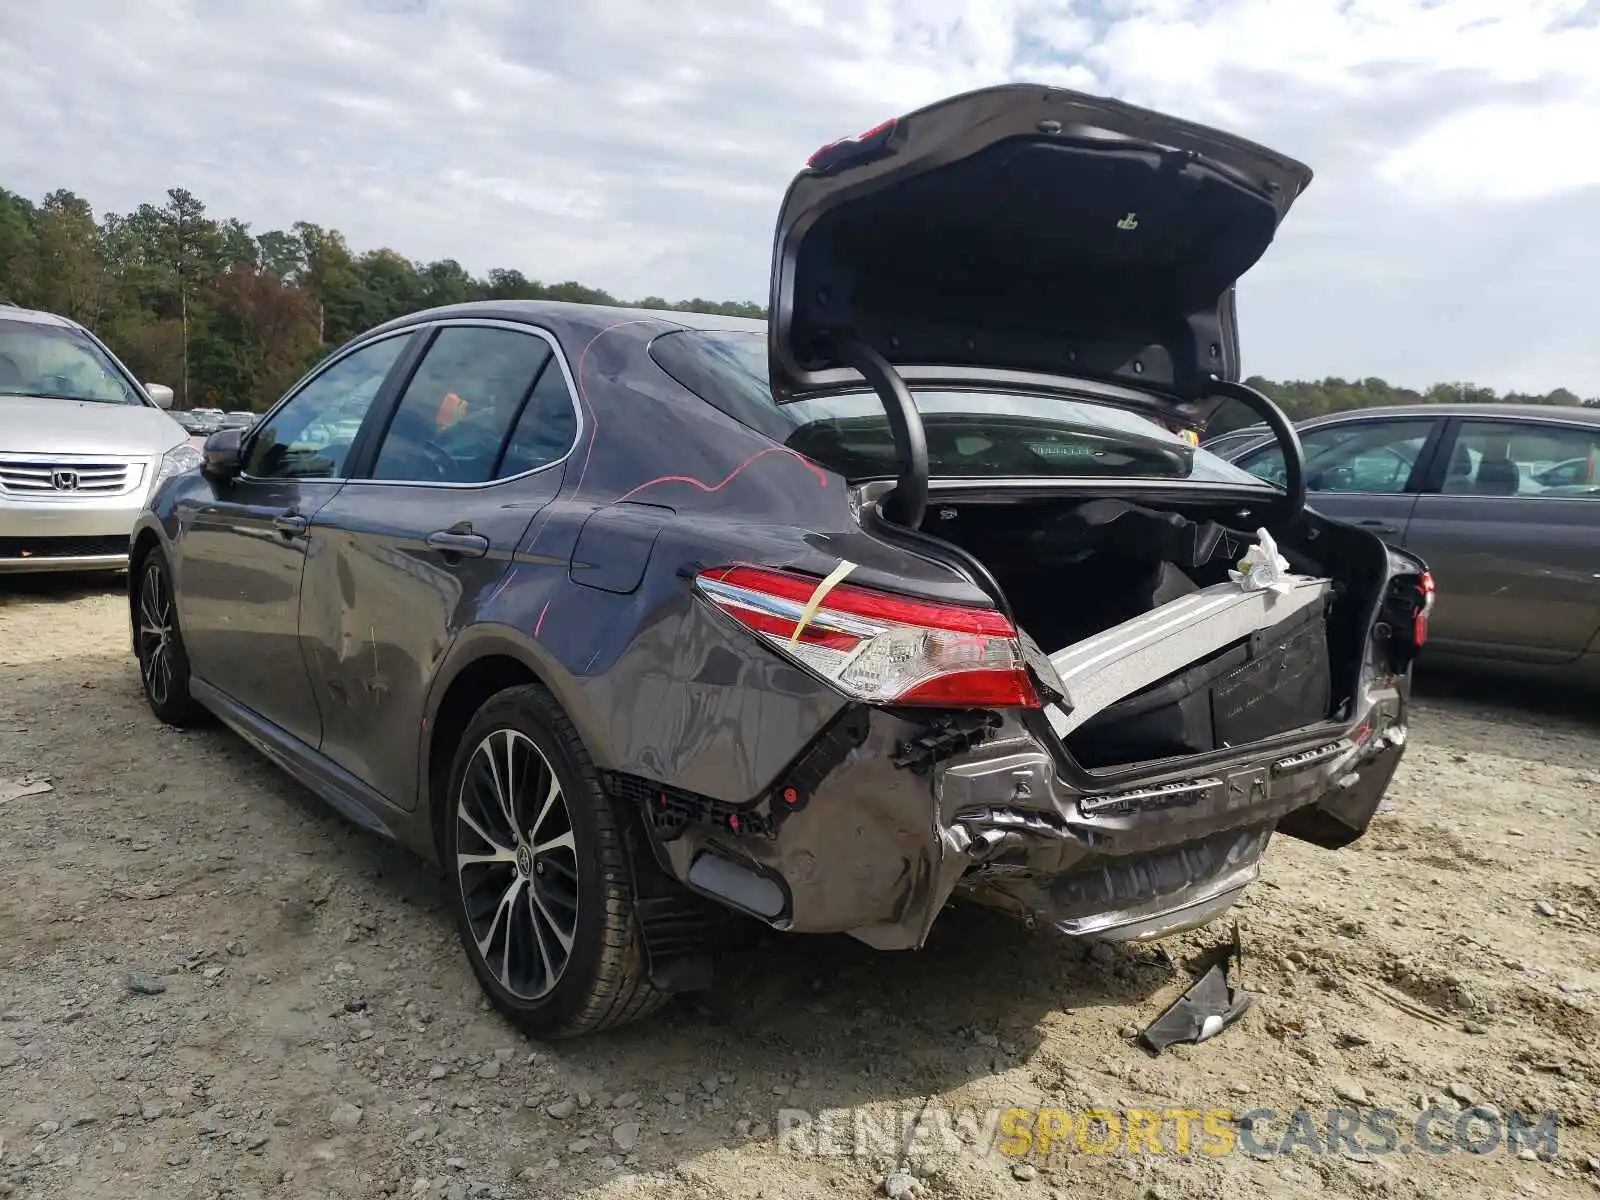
[34, 316]
[694, 320]
[1556, 412]
[563, 312]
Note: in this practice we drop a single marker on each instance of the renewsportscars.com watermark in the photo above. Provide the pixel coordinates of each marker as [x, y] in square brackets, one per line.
[1261, 1132]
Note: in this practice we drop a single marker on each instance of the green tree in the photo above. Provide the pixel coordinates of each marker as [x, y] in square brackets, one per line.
[19, 248]
[69, 275]
[231, 318]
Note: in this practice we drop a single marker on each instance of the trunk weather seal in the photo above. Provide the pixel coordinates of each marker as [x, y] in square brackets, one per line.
[936, 549]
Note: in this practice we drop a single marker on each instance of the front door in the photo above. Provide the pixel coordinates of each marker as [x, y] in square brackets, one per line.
[244, 546]
[407, 553]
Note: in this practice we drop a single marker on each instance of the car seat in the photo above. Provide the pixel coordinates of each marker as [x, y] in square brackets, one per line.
[1498, 477]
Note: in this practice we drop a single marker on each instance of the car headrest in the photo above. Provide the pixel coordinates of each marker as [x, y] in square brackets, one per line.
[1498, 477]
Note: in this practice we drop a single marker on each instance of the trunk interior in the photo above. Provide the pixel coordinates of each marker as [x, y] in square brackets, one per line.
[1072, 569]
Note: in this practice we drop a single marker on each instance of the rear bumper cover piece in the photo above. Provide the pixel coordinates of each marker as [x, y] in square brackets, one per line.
[884, 820]
[876, 850]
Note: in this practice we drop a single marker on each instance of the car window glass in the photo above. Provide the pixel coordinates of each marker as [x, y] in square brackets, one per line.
[1226, 443]
[546, 427]
[459, 406]
[310, 436]
[58, 362]
[1515, 458]
[1366, 456]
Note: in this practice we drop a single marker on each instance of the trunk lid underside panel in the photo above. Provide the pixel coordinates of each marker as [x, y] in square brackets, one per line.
[1025, 228]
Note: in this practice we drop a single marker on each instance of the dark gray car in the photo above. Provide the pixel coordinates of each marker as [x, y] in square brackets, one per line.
[1501, 500]
[633, 619]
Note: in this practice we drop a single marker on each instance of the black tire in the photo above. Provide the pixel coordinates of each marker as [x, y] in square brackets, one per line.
[158, 645]
[602, 981]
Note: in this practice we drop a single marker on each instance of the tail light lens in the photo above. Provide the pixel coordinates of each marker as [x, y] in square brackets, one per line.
[877, 647]
[850, 151]
[1420, 622]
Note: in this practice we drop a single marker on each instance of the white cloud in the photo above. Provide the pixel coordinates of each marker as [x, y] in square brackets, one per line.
[1541, 150]
[643, 147]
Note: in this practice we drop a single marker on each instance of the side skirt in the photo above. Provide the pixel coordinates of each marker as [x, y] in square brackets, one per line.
[331, 782]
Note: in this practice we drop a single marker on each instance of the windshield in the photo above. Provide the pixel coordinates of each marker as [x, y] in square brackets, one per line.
[57, 362]
[970, 433]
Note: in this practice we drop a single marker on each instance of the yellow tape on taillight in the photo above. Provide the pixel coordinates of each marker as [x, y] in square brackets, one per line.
[834, 579]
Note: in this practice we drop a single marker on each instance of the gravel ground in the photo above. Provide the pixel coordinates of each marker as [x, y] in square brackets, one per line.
[211, 986]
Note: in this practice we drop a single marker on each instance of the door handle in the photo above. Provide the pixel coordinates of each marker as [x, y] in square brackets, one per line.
[1379, 526]
[291, 524]
[459, 541]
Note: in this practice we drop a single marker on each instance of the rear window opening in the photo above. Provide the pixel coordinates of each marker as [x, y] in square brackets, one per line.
[970, 433]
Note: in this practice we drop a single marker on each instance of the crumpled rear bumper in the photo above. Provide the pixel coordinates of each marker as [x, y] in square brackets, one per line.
[884, 821]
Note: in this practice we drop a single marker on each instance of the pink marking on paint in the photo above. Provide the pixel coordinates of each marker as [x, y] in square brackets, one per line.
[594, 423]
[710, 488]
[502, 585]
[539, 624]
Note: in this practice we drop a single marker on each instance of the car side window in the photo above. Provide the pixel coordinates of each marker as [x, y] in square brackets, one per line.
[1522, 458]
[1375, 457]
[460, 405]
[310, 436]
[546, 427]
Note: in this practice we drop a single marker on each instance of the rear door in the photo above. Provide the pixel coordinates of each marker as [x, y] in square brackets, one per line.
[1367, 470]
[1510, 525]
[410, 548]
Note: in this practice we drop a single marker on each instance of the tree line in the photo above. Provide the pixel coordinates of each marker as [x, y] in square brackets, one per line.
[230, 317]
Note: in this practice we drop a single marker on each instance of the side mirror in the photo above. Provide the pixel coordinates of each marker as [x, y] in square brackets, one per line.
[160, 393]
[220, 456]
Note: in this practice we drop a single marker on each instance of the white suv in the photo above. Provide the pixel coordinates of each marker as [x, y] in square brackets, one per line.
[82, 445]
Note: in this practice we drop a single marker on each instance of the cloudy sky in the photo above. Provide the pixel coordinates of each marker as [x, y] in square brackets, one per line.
[1452, 231]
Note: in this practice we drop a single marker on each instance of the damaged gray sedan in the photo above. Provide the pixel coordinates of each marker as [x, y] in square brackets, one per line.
[633, 620]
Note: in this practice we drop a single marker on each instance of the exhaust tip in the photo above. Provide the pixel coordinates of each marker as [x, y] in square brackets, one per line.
[738, 886]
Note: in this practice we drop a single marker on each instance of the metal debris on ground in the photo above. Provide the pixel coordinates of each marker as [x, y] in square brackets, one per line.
[1209, 1006]
[15, 789]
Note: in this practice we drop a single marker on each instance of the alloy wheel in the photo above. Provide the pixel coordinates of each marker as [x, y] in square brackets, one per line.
[155, 635]
[517, 863]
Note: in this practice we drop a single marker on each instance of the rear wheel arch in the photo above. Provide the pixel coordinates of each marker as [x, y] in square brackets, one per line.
[485, 665]
[473, 685]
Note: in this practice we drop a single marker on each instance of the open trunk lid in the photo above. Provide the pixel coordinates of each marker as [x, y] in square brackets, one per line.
[1025, 229]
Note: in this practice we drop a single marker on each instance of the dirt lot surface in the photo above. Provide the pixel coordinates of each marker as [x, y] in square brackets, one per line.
[211, 986]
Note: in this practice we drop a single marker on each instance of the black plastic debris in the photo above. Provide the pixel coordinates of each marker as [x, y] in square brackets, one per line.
[1210, 1005]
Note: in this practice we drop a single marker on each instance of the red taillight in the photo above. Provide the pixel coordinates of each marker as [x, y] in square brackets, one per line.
[863, 145]
[1419, 629]
[878, 647]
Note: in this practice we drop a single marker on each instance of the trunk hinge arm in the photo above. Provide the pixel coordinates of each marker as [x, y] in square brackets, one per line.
[1294, 455]
[909, 500]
